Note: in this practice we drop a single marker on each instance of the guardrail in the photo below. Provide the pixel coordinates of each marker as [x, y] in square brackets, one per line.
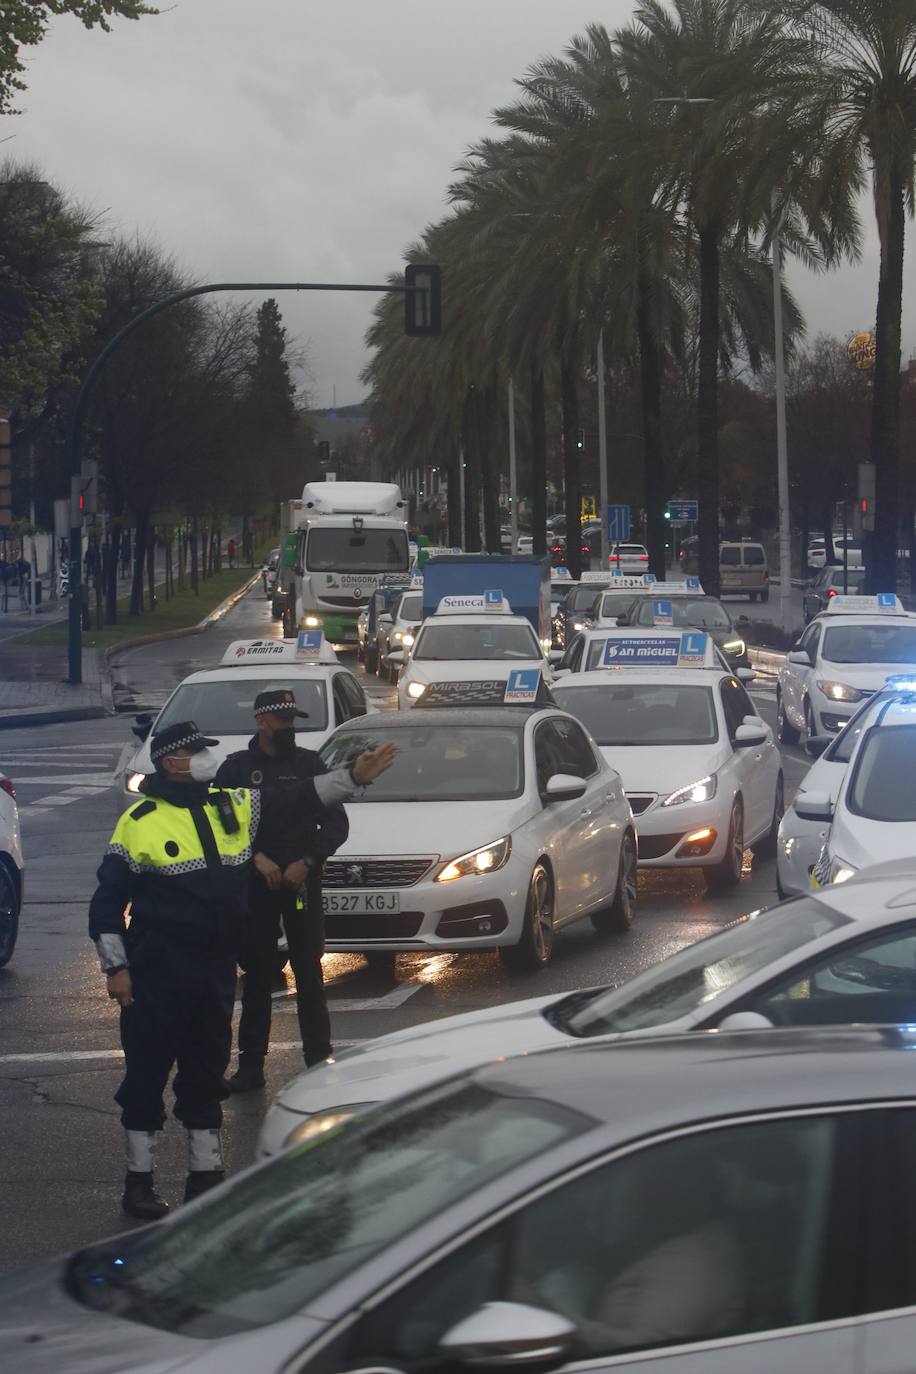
[767, 662]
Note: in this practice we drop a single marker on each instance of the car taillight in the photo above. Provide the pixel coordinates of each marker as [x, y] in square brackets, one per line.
[7, 786]
[831, 591]
[766, 577]
[643, 558]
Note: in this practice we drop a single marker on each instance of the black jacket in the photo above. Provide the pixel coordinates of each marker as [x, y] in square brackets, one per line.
[182, 869]
[294, 824]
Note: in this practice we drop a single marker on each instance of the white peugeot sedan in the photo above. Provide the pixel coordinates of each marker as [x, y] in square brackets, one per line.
[466, 647]
[701, 770]
[844, 656]
[831, 958]
[221, 700]
[873, 819]
[399, 632]
[12, 869]
[493, 829]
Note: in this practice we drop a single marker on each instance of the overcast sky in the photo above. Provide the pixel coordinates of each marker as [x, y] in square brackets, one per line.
[292, 140]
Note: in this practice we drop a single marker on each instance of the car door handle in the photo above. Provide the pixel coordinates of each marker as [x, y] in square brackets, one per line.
[586, 812]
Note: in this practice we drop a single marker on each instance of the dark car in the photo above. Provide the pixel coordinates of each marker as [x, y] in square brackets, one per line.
[698, 612]
[381, 603]
[828, 584]
[576, 611]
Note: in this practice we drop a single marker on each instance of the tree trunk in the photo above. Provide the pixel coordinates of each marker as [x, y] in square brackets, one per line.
[650, 381]
[827, 512]
[455, 532]
[111, 578]
[708, 410]
[151, 566]
[538, 463]
[572, 483]
[471, 474]
[885, 414]
[218, 549]
[141, 528]
[488, 430]
[195, 585]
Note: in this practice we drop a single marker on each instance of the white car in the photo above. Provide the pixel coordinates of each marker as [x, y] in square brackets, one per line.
[628, 558]
[12, 869]
[834, 957]
[873, 819]
[800, 841]
[466, 647]
[399, 632]
[221, 700]
[701, 770]
[844, 656]
[494, 828]
[817, 552]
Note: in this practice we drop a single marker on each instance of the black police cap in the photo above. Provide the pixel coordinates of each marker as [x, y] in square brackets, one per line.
[173, 738]
[281, 701]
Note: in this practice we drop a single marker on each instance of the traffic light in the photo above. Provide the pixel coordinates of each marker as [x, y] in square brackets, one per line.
[422, 300]
[580, 438]
[667, 514]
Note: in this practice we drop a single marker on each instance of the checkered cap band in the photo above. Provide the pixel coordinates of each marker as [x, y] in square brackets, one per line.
[287, 707]
[172, 746]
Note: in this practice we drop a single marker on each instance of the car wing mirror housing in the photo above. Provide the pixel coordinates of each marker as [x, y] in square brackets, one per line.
[814, 806]
[508, 1334]
[143, 726]
[800, 657]
[745, 675]
[396, 656]
[749, 734]
[816, 745]
[745, 1020]
[564, 787]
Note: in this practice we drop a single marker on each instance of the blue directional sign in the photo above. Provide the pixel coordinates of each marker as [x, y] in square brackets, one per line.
[618, 524]
[683, 511]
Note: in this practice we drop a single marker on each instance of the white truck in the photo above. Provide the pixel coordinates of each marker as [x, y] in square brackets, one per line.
[345, 537]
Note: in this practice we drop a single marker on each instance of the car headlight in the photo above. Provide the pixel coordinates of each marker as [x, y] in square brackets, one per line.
[704, 789]
[314, 1127]
[134, 781]
[398, 635]
[840, 870]
[486, 859]
[312, 622]
[407, 639]
[416, 689]
[838, 691]
[734, 646]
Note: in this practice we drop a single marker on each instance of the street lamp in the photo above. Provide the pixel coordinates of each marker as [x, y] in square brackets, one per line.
[782, 452]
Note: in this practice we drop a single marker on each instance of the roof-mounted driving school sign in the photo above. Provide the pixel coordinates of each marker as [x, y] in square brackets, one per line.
[687, 650]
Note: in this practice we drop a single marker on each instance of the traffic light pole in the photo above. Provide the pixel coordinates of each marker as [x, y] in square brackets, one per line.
[421, 286]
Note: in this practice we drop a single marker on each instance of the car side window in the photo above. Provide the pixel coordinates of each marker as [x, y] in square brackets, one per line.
[576, 754]
[573, 654]
[736, 1230]
[731, 692]
[874, 981]
[353, 694]
[546, 754]
[341, 705]
[810, 640]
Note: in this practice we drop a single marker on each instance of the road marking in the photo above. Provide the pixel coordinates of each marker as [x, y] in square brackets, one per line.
[395, 998]
[92, 1056]
[94, 779]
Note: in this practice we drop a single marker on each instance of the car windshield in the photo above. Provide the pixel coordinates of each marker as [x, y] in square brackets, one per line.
[411, 607]
[439, 762]
[274, 1238]
[623, 713]
[687, 610]
[883, 786]
[700, 974]
[227, 707]
[870, 644]
[493, 640]
[580, 597]
[349, 550]
[614, 604]
[840, 751]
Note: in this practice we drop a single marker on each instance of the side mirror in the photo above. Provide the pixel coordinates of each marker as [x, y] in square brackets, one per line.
[745, 675]
[385, 619]
[143, 726]
[623, 619]
[748, 735]
[816, 745]
[813, 806]
[800, 657]
[555, 656]
[743, 620]
[395, 656]
[564, 787]
[508, 1334]
[745, 1020]
[562, 672]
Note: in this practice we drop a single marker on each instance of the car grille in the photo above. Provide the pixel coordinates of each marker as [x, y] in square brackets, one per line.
[400, 925]
[640, 801]
[374, 872]
[655, 846]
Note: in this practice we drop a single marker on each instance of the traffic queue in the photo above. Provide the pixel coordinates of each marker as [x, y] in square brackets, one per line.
[674, 1172]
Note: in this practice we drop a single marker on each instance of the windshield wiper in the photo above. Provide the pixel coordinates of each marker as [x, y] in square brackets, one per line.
[560, 1014]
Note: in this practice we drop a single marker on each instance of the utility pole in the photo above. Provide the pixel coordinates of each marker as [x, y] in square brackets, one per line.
[782, 456]
[602, 455]
[513, 476]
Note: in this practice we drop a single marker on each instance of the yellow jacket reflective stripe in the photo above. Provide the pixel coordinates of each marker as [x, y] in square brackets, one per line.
[164, 840]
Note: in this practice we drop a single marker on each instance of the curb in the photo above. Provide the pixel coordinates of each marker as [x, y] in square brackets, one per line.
[51, 715]
[206, 624]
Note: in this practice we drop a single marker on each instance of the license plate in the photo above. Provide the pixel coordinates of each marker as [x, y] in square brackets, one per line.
[361, 903]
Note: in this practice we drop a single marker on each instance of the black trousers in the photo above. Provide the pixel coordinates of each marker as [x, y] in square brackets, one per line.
[305, 938]
[181, 1014]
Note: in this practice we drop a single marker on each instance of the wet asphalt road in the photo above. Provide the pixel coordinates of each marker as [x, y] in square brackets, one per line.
[61, 1163]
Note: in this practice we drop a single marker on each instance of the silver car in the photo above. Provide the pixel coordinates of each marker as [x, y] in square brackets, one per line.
[696, 1205]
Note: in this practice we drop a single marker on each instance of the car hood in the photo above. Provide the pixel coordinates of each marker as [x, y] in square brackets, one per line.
[470, 670]
[862, 842]
[663, 768]
[824, 775]
[428, 827]
[414, 1058]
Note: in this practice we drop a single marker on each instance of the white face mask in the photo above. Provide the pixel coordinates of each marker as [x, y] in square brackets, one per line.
[204, 765]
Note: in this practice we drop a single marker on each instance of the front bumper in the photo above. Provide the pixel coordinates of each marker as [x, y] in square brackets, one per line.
[797, 850]
[829, 716]
[480, 911]
[663, 834]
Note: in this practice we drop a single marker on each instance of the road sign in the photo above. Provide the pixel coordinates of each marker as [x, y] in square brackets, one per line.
[589, 508]
[684, 510]
[618, 524]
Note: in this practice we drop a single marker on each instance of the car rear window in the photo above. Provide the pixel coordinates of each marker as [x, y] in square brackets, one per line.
[729, 558]
[754, 556]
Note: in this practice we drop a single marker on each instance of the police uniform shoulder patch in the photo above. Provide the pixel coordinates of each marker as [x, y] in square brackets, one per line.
[257, 777]
[142, 810]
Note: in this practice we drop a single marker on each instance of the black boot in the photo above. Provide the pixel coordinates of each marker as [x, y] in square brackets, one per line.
[140, 1198]
[201, 1181]
[249, 1075]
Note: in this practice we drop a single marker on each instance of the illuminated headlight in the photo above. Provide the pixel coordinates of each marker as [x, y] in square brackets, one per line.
[398, 635]
[407, 639]
[134, 781]
[702, 790]
[312, 622]
[838, 691]
[484, 860]
[841, 871]
[314, 1127]
[734, 646]
[415, 690]
[579, 624]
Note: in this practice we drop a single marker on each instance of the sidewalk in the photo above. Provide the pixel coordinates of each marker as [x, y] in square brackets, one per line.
[34, 690]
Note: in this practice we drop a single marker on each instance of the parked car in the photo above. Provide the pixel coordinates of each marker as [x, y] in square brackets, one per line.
[817, 551]
[11, 869]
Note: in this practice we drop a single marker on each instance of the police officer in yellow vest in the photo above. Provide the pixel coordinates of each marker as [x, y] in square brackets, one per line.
[180, 859]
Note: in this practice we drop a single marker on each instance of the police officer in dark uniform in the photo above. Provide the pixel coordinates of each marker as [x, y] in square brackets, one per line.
[180, 858]
[302, 824]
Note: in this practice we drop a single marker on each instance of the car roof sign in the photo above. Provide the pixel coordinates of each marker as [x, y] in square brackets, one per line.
[456, 604]
[859, 605]
[242, 653]
[684, 649]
